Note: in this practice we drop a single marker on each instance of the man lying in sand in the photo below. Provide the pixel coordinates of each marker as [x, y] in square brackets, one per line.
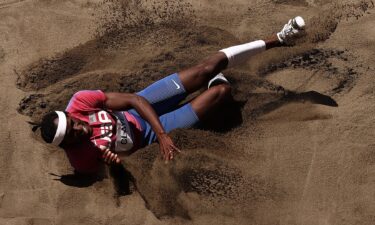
[98, 126]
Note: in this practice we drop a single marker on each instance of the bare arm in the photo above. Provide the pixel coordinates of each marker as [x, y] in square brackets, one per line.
[125, 101]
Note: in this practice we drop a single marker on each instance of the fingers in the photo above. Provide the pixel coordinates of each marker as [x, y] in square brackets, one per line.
[169, 152]
[167, 148]
[114, 158]
[170, 156]
[110, 157]
[176, 149]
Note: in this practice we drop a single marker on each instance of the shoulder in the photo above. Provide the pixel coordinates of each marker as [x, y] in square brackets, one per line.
[83, 94]
[86, 100]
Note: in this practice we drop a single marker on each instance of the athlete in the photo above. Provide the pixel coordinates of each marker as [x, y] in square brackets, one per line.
[98, 126]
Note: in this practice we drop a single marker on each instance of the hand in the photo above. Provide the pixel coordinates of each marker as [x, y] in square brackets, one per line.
[108, 156]
[167, 147]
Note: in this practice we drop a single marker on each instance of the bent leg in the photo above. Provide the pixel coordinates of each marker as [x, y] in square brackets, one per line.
[211, 100]
[198, 76]
[191, 113]
[174, 88]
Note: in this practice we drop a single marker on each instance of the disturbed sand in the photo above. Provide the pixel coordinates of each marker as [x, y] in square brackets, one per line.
[297, 148]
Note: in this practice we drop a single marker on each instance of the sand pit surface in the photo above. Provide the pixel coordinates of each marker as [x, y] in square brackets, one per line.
[296, 147]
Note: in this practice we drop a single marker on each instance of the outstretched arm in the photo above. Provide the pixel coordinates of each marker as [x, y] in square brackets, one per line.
[125, 101]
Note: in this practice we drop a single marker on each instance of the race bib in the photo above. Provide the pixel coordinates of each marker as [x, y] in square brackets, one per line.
[124, 137]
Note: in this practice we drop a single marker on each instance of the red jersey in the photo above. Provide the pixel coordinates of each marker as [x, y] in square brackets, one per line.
[89, 106]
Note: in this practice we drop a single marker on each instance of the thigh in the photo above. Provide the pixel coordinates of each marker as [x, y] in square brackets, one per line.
[164, 94]
[198, 76]
[183, 117]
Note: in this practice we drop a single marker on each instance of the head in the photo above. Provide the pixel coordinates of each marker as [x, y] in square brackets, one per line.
[61, 129]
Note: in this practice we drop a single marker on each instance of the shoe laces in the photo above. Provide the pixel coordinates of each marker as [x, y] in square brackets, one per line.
[289, 29]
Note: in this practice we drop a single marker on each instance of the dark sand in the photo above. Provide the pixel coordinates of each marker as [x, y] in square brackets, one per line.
[285, 155]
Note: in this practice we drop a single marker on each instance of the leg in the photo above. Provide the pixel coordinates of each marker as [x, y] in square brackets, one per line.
[210, 100]
[170, 90]
[189, 114]
[273, 42]
[198, 76]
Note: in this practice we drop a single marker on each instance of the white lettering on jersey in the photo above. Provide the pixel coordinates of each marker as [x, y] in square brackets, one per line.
[106, 127]
[124, 142]
[103, 117]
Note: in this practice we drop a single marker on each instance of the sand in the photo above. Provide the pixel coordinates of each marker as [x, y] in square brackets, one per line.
[296, 147]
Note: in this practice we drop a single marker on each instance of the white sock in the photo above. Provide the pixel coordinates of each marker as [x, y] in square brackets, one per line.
[240, 53]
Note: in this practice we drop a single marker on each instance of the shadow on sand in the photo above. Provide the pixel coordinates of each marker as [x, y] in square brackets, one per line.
[313, 97]
[230, 115]
[122, 179]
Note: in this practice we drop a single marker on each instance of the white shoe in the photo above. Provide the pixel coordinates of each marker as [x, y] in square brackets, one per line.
[291, 30]
[218, 79]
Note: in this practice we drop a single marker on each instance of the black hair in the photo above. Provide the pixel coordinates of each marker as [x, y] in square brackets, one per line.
[47, 126]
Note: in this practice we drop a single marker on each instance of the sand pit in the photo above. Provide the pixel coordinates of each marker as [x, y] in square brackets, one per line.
[299, 148]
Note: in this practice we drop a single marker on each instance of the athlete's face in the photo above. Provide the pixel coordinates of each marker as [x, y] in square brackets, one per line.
[76, 130]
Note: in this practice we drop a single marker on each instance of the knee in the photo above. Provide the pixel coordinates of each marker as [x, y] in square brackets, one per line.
[223, 91]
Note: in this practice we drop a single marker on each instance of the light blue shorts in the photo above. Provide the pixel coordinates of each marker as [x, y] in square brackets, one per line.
[164, 96]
